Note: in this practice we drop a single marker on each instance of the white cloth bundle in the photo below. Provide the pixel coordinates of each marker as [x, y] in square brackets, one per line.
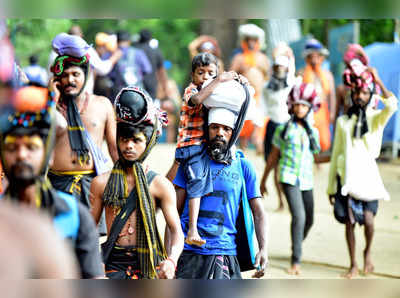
[362, 178]
[229, 95]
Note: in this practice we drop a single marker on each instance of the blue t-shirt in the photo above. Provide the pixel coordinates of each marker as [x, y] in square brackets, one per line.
[218, 211]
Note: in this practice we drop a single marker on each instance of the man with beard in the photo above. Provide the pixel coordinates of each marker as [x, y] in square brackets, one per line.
[355, 185]
[88, 119]
[26, 140]
[134, 249]
[219, 210]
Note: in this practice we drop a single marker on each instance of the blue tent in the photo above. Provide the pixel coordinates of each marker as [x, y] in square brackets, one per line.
[385, 57]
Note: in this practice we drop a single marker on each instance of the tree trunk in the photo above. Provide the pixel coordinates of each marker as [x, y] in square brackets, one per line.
[225, 31]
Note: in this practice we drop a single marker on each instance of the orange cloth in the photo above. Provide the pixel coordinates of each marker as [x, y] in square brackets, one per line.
[247, 129]
[321, 118]
[309, 77]
[249, 55]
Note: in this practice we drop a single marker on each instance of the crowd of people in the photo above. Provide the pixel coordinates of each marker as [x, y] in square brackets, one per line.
[74, 138]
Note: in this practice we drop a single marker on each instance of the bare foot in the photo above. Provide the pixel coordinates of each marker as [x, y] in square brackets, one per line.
[368, 266]
[193, 238]
[280, 208]
[353, 272]
[294, 270]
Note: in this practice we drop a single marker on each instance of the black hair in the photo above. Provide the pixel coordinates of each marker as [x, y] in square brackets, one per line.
[128, 131]
[123, 35]
[203, 59]
[145, 35]
[83, 66]
[33, 59]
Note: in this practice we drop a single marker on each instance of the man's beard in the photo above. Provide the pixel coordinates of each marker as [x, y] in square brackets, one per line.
[217, 148]
[67, 97]
[21, 175]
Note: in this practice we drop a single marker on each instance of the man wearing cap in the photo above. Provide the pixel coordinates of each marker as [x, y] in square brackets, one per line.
[314, 54]
[134, 249]
[88, 120]
[27, 139]
[254, 65]
[219, 209]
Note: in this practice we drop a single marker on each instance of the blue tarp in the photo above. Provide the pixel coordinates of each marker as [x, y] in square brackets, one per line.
[385, 57]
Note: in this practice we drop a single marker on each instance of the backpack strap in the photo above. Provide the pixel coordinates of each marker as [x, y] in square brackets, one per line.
[246, 246]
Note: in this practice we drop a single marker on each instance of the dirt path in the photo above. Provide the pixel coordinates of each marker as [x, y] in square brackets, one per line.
[324, 251]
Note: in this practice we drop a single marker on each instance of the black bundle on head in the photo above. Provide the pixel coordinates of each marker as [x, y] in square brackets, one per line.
[131, 106]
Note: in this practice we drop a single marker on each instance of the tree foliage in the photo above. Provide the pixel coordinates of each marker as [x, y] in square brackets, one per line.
[33, 36]
[370, 30]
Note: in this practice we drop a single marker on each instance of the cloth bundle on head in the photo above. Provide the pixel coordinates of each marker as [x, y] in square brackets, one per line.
[229, 95]
[72, 51]
[31, 113]
[141, 111]
[70, 45]
[355, 51]
[356, 74]
[107, 40]
[134, 107]
[253, 31]
[306, 94]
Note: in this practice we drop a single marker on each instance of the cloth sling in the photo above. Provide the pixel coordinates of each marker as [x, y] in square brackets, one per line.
[76, 133]
[149, 245]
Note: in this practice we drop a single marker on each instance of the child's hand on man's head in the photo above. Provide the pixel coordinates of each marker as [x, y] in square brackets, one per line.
[227, 76]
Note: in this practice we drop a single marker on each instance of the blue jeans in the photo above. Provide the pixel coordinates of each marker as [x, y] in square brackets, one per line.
[196, 165]
[301, 206]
